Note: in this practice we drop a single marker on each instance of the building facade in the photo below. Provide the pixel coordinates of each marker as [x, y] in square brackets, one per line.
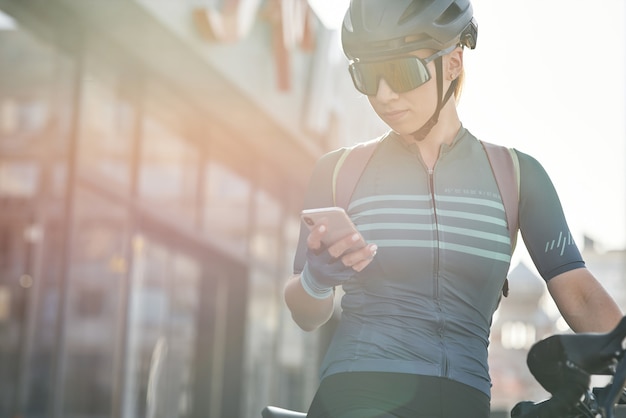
[153, 157]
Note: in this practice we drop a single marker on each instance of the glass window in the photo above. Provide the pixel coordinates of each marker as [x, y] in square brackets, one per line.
[23, 117]
[265, 241]
[36, 100]
[57, 180]
[93, 316]
[261, 326]
[162, 333]
[35, 120]
[9, 117]
[168, 174]
[19, 178]
[15, 256]
[36, 114]
[226, 210]
[265, 302]
[106, 134]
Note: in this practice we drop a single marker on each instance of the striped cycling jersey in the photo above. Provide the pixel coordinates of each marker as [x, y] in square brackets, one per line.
[424, 305]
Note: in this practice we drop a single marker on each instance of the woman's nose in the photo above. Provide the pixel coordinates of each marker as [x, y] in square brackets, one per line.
[385, 92]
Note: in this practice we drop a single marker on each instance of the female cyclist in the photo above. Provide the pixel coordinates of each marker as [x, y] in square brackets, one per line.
[423, 279]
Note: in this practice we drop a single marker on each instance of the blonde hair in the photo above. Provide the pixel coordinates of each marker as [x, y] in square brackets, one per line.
[459, 85]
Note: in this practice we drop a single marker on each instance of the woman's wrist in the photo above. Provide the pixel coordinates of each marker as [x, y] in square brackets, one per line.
[312, 287]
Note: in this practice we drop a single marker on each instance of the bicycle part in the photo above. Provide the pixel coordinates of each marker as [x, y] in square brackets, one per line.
[596, 352]
[562, 364]
[615, 390]
[549, 359]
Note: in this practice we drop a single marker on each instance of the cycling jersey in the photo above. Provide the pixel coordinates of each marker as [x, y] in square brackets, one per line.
[424, 305]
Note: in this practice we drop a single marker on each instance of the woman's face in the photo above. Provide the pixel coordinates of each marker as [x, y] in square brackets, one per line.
[407, 112]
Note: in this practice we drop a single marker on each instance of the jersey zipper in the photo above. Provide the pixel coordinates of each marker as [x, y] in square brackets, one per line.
[431, 186]
[436, 294]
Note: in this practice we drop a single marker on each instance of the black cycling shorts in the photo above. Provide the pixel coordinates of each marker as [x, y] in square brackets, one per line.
[396, 395]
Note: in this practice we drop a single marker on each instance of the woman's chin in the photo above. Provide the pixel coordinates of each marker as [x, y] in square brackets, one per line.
[403, 129]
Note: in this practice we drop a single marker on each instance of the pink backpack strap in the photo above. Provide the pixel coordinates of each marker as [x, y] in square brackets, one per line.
[348, 170]
[505, 169]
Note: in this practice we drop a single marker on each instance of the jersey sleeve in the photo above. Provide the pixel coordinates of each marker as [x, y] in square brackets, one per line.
[542, 222]
[319, 194]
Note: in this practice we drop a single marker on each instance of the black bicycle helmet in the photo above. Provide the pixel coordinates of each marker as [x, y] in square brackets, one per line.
[377, 28]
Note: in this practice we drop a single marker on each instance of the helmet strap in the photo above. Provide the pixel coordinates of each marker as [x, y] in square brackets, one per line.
[422, 132]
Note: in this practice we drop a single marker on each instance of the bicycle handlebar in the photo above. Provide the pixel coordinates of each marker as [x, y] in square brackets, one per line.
[563, 365]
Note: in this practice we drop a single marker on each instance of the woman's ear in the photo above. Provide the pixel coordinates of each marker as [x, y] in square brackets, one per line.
[454, 63]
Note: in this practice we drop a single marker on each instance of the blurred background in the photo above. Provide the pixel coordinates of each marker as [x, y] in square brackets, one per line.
[153, 159]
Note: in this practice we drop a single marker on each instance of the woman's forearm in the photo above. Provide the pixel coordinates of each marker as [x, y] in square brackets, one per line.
[308, 312]
[584, 303]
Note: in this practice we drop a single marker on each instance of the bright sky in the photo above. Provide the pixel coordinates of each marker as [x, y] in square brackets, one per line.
[549, 78]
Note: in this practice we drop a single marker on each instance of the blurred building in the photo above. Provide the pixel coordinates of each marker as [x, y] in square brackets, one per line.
[522, 319]
[153, 158]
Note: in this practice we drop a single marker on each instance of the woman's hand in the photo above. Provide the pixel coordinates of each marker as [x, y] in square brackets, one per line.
[327, 267]
[311, 304]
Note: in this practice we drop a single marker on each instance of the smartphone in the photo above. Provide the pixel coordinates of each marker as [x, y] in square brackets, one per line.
[337, 220]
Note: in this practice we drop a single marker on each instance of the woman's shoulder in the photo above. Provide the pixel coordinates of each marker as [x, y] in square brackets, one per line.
[327, 161]
[527, 161]
[524, 158]
[528, 164]
[331, 158]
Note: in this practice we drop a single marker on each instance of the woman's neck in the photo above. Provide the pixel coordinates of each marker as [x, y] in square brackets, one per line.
[443, 132]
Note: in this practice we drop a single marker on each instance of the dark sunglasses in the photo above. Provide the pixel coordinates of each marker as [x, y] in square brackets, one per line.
[402, 74]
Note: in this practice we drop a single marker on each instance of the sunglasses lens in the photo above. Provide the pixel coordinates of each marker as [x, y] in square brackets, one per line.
[401, 74]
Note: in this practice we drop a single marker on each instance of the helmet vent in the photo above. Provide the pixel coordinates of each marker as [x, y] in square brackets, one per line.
[415, 8]
[417, 38]
[450, 15]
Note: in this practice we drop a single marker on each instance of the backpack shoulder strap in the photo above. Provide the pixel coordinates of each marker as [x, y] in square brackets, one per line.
[348, 170]
[505, 166]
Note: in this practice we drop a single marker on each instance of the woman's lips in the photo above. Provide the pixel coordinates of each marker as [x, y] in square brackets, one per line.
[394, 115]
